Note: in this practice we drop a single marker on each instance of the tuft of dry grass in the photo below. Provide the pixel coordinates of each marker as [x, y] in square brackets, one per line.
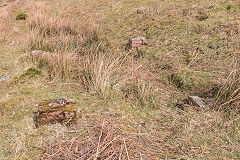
[228, 95]
[101, 72]
[52, 33]
[77, 52]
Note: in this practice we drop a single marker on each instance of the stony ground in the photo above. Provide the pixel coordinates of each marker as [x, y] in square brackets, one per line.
[193, 46]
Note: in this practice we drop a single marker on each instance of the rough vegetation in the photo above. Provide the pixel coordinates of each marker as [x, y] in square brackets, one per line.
[21, 16]
[130, 102]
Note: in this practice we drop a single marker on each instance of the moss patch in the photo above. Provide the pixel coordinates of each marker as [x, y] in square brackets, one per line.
[30, 73]
[21, 16]
[191, 80]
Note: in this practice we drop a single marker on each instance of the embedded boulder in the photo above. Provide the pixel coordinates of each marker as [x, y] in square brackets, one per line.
[55, 111]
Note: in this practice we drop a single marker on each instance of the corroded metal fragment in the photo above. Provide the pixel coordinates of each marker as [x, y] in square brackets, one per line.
[55, 111]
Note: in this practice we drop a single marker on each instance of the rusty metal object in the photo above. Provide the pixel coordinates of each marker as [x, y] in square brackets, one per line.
[136, 42]
[55, 111]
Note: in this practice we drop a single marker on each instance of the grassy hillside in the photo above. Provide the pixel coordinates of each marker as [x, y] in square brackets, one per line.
[131, 103]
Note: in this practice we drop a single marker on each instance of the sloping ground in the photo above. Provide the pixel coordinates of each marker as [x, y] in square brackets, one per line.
[126, 98]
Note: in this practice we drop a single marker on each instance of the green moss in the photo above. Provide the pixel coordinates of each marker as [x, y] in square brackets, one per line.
[21, 16]
[30, 73]
[191, 80]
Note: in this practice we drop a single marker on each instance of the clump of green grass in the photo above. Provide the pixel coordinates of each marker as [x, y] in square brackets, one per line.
[21, 16]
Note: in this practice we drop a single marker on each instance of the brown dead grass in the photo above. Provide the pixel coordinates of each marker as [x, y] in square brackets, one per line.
[104, 140]
[228, 95]
[89, 41]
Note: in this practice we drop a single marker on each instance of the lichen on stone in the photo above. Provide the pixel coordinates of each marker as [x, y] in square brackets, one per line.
[55, 111]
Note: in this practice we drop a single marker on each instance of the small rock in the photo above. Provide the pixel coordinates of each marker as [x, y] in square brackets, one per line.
[4, 78]
[136, 42]
[196, 101]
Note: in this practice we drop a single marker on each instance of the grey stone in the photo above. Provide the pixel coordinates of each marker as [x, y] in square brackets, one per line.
[4, 78]
[197, 101]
